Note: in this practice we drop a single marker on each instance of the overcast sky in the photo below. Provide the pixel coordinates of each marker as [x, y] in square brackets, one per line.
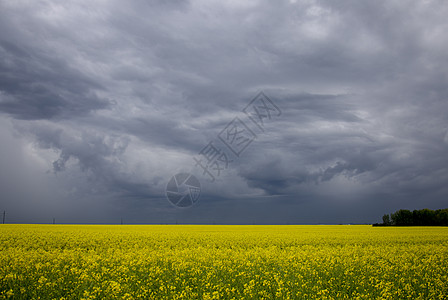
[102, 102]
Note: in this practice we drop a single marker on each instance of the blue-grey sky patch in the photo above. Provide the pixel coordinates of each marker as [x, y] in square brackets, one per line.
[102, 103]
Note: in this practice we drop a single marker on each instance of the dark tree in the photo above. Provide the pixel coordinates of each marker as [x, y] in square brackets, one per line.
[442, 217]
[386, 220]
[403, 217]
[422, 217]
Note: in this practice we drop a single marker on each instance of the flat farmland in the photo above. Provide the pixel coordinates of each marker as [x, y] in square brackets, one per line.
[222, 262]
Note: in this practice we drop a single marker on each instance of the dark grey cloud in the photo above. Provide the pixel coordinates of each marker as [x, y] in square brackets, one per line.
[106, 101]
[36, 86]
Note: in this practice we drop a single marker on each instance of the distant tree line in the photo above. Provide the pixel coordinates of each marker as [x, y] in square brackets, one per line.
[422, 217]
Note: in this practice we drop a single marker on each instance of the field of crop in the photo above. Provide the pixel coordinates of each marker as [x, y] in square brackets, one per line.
[222, 262]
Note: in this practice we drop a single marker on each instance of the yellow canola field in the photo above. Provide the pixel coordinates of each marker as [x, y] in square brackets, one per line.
[222, 262]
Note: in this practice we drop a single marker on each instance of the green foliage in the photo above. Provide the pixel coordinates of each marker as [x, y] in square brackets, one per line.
[403, 217]
[386, 220]
[422, 217]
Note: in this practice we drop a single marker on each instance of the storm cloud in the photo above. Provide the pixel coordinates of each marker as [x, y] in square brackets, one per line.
[102, 103]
